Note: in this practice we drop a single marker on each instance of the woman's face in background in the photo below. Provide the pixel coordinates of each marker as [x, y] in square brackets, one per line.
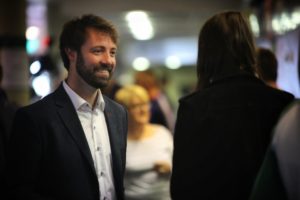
[139, 110]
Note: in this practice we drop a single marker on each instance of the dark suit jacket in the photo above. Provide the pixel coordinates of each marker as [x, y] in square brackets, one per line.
[7, 111]
[49, 156]
[221, 136]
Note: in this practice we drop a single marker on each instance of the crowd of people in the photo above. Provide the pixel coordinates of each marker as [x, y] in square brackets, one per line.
[89, 140]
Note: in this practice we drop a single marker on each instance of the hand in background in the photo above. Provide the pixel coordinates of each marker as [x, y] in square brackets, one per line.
[162, 167]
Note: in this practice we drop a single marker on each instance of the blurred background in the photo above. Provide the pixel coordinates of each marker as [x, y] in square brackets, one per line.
[159, 34]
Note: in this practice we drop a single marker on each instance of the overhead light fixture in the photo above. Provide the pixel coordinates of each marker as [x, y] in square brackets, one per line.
[254, 24]
[141, 64]
[286, 22]
[173, 62]
[140, 25]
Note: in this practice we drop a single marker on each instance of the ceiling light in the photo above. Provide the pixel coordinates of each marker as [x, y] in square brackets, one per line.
[141, 64]
[140, 25]
[173, 62]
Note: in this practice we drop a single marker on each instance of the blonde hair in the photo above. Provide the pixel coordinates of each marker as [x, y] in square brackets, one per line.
[126, 93]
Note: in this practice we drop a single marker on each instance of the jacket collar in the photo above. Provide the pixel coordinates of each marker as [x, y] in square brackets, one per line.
[71, 121]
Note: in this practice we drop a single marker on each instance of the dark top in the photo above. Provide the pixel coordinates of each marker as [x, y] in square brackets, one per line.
[278, 178]
[7, 111]
[221, 136]
[157, 115]
[49, 157]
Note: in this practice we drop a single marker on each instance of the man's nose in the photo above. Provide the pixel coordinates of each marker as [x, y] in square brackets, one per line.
[107, 59]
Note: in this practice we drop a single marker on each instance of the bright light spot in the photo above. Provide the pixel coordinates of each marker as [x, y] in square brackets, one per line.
[136, 15]
[286, 22]
[173, 62]
[140, 25]
[141, 64]
[32, 33]
[296, 17]
[254, 25]
[41, 84]
[276, 26]
[35, 67]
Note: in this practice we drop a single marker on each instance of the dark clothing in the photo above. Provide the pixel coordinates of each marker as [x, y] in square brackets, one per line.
[157, 115]
[49, 157]
[7, 111]
[221, 136]
[268, 184]
[278, 177]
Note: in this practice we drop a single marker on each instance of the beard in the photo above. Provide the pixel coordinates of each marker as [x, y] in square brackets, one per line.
[88, 74]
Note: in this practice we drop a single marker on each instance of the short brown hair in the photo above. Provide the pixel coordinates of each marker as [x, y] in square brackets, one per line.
[267, 64]
[74, 33]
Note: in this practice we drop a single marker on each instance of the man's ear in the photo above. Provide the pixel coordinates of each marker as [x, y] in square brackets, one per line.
[71, 54]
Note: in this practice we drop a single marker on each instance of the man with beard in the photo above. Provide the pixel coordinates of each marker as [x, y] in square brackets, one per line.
[72, 143]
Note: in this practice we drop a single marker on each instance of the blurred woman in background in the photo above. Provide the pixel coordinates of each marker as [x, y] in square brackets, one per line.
[149, 148]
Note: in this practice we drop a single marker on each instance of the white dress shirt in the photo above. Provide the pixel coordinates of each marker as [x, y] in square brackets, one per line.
[95, 129]
[142, 181]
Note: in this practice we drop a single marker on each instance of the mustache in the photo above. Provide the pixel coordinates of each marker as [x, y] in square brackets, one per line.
[102, 66]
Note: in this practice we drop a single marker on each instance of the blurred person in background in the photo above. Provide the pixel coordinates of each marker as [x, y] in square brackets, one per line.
[267, 66]
[161, 109]
[7, 112]
[224, 128]
[149, 149]
[72, 143]
[279, 176]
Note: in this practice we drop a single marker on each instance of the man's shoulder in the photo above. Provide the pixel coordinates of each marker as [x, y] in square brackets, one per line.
[43, 105]
[112, 104]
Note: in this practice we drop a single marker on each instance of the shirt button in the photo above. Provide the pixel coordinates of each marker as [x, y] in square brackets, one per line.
[102, 173]
[98, 148]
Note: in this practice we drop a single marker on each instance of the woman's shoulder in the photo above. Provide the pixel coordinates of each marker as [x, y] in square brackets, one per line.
[160, 130]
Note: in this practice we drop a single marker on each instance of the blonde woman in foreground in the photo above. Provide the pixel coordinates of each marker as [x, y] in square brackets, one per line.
[149, 148]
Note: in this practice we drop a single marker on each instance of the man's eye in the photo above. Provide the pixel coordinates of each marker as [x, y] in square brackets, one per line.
[113, 53]
[97, 51]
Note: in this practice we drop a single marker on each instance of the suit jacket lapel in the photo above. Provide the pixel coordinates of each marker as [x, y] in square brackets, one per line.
[111, 121]
[70, 119]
